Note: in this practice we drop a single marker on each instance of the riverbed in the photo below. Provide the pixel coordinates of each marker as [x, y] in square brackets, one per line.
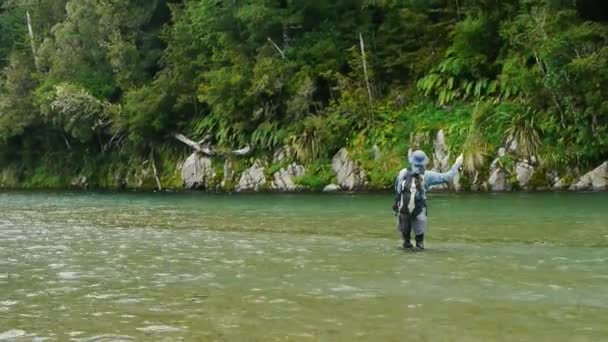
[260, 267]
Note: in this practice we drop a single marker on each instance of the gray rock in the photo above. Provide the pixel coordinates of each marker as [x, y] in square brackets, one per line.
[523, 172]
[80, 182]
[498, 180]
[501, 152]
[593, 180]
[331, 188]
[253, 179]
[376, 152]
[441, 154]
[499, 177]
[197, 171]
[349, 175]
[560, 184]
[284, 179]
[552, 178]
[228, 169]
[511, 144]
[456, 183]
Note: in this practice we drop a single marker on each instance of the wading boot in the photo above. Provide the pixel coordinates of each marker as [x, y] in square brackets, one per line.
[407, 244]
[420, 242]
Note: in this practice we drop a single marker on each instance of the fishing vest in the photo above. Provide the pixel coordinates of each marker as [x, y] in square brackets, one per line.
[412, 198]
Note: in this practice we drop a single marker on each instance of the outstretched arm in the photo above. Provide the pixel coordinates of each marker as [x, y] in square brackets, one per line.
[433, 178]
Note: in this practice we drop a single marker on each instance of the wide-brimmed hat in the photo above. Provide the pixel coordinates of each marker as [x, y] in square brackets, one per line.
[418, 159]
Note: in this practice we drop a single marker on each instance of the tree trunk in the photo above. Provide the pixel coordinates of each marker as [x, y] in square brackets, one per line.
[367, 83]
[30, 31]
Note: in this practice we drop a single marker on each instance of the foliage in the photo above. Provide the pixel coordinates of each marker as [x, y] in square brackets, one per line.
[318, 175]
[115, 79]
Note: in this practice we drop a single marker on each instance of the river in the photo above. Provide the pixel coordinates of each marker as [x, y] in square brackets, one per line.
[201, 267]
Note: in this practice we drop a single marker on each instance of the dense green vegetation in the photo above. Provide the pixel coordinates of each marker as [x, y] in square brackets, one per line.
[99, 86]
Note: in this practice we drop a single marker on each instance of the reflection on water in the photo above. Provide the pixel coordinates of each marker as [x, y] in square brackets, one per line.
[123, 267]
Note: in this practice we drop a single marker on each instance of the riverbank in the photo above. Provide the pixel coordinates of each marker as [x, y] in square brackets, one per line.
[353, 169]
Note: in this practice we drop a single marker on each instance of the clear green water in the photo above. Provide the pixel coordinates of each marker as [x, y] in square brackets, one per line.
[195, 267]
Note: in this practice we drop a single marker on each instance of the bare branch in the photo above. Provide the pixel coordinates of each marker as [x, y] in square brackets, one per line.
[202, 149]
[276, 47]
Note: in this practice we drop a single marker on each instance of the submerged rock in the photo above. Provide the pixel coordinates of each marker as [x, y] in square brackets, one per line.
[593, 180]
[349, 175]
[197, 172]
[253, 179]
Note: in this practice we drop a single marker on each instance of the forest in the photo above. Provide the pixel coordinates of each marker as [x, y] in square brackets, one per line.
[99, 88]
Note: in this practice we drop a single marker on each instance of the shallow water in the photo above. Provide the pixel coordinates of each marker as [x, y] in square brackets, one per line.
[196, 267]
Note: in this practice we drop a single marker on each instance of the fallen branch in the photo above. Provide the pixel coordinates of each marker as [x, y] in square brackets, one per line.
[205, 149]
[204, 146]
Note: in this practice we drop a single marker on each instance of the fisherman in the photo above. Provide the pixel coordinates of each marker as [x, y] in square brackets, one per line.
[411, 186]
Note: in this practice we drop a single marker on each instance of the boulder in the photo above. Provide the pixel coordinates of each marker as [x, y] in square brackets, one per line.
[331, 188]
[253, 179]
[593, 180]
[511, 144]
[349, 175]
[228, 169]
[441, 162]
[499, 177]
[523, 173]
[552, 178]
[499, 180]
[197, 171]
[284, 179]
[80, 182]
[456, 183]
[376, 153]
[560, 184]
[441, 154]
